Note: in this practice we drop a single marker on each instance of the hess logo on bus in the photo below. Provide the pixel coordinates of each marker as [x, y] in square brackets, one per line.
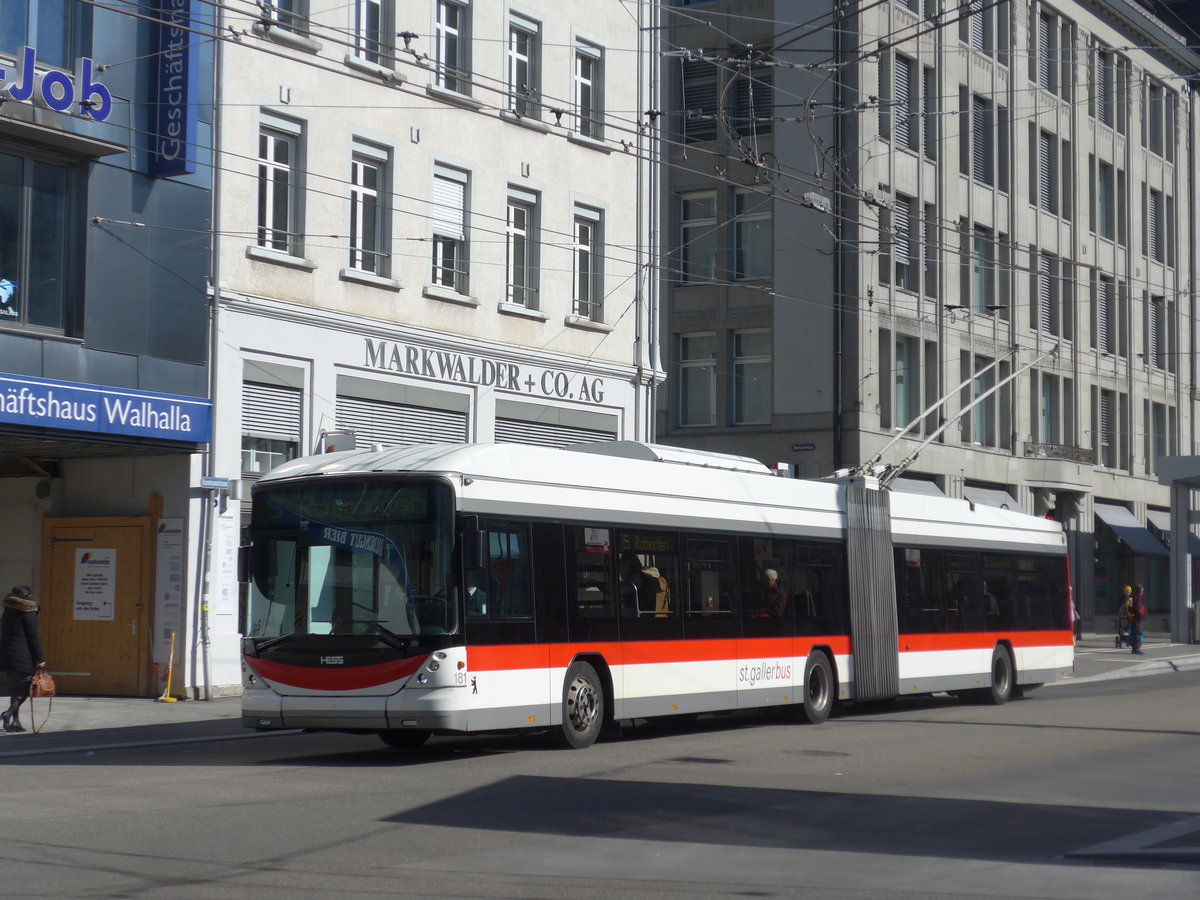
[332, 660]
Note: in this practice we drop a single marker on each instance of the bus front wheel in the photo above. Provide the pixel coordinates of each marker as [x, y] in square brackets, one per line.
[818, 689]
[583, 707]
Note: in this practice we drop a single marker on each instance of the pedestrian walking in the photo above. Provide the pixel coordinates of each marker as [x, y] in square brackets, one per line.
[1137, 615]
[1123, 612]
[20, 651]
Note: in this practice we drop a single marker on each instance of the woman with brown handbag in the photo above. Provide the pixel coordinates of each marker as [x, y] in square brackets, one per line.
[20, 646]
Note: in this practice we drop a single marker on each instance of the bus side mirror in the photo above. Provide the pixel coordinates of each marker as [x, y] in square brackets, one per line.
[474, 549]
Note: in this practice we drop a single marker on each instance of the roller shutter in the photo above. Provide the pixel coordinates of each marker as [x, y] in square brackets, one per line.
[269, 410]
[396, 424]
[544, 434]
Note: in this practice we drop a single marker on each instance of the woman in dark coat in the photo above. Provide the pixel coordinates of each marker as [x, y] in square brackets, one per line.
[20, 650]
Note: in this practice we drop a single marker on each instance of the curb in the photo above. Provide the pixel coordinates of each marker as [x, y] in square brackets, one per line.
[1140, 670]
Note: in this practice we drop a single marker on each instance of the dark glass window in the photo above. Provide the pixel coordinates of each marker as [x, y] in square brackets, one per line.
[39, 250]
[57, 29]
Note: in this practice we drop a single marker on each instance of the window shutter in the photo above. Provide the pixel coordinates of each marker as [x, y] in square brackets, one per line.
[977, 23]
[1045, 172]
[449, 202]
[270, 410]
[1155, 325]
[903, 106]
[1045, 313]
[1103, 320]
[981, 149]
[1152, 226]
[699, 99]
[1103, 112]
[396, 424]
[1045, 62]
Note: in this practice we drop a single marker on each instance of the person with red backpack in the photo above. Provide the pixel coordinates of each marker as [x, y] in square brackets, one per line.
[1137, 615]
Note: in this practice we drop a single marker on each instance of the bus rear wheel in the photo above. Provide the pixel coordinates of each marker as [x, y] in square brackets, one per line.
[1002, 677]
[582, 707]
[818, 689]
[404, 739]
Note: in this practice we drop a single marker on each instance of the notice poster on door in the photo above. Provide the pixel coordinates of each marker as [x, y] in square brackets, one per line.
[168, 585]
[95, 585]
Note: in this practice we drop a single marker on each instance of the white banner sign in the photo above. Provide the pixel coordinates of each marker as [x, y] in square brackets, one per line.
[95, 585]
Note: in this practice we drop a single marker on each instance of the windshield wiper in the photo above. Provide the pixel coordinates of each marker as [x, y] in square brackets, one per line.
[388, 636]
[261, 644]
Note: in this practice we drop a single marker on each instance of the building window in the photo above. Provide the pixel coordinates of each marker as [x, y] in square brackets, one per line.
[1154, 226]
[588, 267]
[1156, 332]
[369, 190]
[1051, 310]
[523, 247]
[1047, 404]
[752, 91]
[907, 388]
[452, 46]
[1106, 207]
[987, 423]
[40, 247]
[1159, 120]
[908, 131]
[374, 25]
[1044, 171]
[983, 270]
[1105, 442]
[933, 244]
[589, 91]
[1102, 86]
[930, 105]
[752, 234]
[1157, 436]
[751, 377]
[698, 379]
[899, 244]
[699, 100]
[280, 175]
[449, 220]
[524, 67]
[699, 237]
[290, 15]
[976, 149]
[1104, 314]
[984, 27]
[58, 30]
[1045, 60]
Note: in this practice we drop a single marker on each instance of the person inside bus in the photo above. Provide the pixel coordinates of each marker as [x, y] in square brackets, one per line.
[655, 595]
[772, 598]
[477, 598]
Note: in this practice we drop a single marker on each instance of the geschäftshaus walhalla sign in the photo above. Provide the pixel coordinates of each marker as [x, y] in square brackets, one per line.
[42, 403]
[463, 368]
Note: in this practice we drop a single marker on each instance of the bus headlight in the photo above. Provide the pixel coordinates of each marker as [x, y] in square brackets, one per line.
[422, 678]
[433, 666]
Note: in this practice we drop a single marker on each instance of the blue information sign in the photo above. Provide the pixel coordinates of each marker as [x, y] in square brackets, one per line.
[104, 410]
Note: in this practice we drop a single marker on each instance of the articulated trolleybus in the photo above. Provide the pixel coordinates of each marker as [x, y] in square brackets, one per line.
[482, 587]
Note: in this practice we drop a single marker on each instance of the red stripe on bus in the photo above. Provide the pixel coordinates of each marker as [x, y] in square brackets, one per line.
[919, 643]
[632, 653]
[330, 678]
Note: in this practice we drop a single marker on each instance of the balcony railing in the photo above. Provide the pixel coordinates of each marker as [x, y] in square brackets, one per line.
[1060, 451]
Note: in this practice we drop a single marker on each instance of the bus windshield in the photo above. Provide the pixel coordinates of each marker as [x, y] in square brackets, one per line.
[351, 557]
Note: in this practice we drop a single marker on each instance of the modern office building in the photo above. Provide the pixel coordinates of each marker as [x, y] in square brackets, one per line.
[434, 223]
[967, 224]
[105, 209]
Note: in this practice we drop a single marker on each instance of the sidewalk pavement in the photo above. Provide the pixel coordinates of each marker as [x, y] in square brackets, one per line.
[1096, 659]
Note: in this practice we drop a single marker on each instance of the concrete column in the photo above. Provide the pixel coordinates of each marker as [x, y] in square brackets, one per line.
[1181, 568]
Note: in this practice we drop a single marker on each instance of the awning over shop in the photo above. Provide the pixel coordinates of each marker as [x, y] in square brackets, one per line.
[917, 486]
[1131, 532]
[1161, 519]
[981, 496]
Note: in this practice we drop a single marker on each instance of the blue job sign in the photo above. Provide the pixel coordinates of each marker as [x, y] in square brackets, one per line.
[104, 410]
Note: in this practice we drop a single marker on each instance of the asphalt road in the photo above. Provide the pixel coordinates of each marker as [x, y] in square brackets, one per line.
[1085, 790]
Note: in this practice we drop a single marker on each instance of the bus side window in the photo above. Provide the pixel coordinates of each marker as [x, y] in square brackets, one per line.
[593, 567]
[508, 565]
